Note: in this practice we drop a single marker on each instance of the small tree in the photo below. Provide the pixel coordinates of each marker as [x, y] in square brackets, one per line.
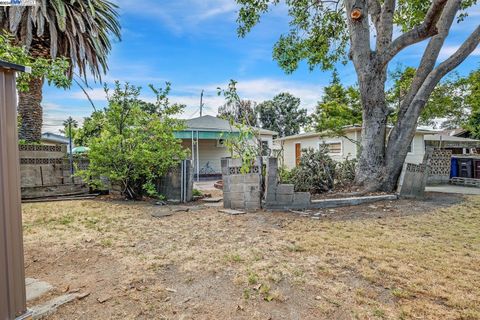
[134, 147]
[244, 142]
[282, 114]
[340, 106]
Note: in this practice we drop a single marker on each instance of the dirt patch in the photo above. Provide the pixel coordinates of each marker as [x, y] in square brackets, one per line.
[419, 260]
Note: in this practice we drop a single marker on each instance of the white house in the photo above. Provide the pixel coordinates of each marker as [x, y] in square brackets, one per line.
[204, 137]
[340, 148]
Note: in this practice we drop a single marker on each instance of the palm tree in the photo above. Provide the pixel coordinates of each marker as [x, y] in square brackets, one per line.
[78, 30]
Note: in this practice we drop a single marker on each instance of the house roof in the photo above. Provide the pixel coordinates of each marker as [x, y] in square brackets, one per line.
[446, 141]
[454, 132]
[443, 137]
[345, 129]
[53, 137]
[211, 123]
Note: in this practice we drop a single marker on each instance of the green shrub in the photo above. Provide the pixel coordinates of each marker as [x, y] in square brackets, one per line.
[135, 146]
[197, 193]
[345, 172]
[316, 171]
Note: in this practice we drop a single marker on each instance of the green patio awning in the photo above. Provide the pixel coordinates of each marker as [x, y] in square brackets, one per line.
[206, 135]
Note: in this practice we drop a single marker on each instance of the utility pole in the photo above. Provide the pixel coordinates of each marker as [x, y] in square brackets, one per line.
[201, 104]
[69, 123]
[70, 145]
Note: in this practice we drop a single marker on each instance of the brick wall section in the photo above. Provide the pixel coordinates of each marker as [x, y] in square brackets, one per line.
[241, 191]
[282, 196]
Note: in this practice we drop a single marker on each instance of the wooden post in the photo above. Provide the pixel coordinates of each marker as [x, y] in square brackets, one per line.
[13, 303]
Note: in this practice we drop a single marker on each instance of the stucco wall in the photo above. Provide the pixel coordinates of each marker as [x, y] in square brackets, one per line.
[349, 148]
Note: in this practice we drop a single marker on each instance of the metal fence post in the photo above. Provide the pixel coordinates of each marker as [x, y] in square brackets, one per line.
[12, 273]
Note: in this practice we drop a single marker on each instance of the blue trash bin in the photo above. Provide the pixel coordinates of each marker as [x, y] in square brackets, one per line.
[454, 168]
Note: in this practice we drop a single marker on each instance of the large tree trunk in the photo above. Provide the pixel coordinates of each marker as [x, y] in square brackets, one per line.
[30, 111]
[380, 164]
[372, 155]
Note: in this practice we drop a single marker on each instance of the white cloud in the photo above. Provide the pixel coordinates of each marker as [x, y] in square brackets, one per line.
[257, 90]
[180, 16]
[447, 51]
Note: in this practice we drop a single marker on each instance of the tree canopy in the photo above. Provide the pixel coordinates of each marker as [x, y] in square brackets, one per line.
[282, 114]
[339, 107]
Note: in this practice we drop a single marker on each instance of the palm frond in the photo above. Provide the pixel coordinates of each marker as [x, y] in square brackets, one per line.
[80, 30]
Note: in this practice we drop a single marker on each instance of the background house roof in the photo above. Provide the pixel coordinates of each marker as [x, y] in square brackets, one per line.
[56, 138]
[345, 129]
[442, 137]
[211, 123]
[446, 141]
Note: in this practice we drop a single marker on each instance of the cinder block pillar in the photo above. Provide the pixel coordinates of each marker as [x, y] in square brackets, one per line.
[271, 180]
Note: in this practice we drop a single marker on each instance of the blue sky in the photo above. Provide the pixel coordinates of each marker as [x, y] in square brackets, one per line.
[193, 44]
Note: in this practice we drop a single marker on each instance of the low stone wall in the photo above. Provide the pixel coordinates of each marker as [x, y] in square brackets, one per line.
[241, 191]
[282, 196]
[45, 171]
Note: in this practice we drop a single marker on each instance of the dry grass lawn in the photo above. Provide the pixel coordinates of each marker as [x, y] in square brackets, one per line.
[402, 260]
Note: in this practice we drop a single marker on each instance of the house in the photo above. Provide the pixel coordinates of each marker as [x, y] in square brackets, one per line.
[53, 139]
[457, 144]
[340, 148]
[204, 137]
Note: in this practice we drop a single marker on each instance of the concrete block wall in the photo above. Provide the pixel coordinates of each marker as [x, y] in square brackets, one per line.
[282, 196]
[414, 181]
[241, 191]
[45, 171]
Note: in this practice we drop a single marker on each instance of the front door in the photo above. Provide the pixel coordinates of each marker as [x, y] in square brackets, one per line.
[298, 153]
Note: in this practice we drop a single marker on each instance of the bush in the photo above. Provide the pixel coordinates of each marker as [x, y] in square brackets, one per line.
[345, 172]
[134, 146]
[197, 193]
[318, 172]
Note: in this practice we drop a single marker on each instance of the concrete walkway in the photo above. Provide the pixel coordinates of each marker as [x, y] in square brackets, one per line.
[453, 189]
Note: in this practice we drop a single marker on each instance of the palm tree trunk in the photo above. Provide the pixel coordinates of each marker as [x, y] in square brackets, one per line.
[30, 111]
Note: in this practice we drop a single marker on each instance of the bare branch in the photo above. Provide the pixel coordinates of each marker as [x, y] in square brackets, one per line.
[419, 102]
[385, 26]
[426, 29]
[452, 62]
[360, 51]
[375, 9]
[430, 55]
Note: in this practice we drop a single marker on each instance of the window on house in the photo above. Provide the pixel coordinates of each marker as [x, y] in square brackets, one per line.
[334, 147]
[410, 147]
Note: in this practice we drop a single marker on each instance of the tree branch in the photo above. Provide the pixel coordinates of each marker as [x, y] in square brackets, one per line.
[375, 9]
[385, 26]
[426, 29]
[360, 51]
[448, 65]
[430, 55]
